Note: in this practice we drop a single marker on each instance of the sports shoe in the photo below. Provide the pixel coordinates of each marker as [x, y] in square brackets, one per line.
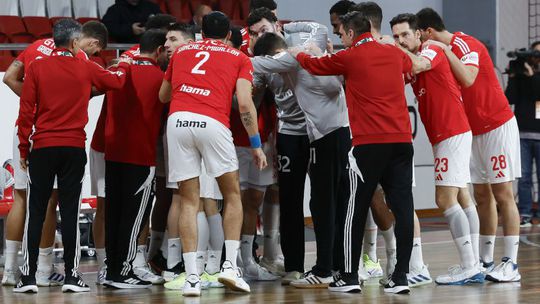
[192, 286]
[457, 275]
[210, 281]
[311, 280]
[397, 287]
[26, 284]
[158, 263]
[255, 272]
[52, 278]
[146, 274]
[291, 276]
[11, 277]
[74, 284]
[526, 222]
[276, 266]
[373, 269]
[345, 283]
[363, 275]
[232, 278]
[385, 280]
[486, 267]
[391, 261]
[506, 271]
[102, 276]
[178, 282]
[131, 281]
[418, 276]
[170, 274]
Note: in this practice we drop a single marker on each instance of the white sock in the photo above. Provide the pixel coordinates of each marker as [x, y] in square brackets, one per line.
[389, 238]
[213, 261]
[474, 226]
[231, 251]
[417, 259]
[165, 245]
[201, 260]
[203, 233]
[217, 238]
[271, 231]
[466, 254]
[45, 260]
[487, 246]
[511, 246]
[140, 259]
[11, 252]
[190, 261]
[101, 255]
[246, 249]
[459, 227]
[156, 240]
[370, 244]
[174, 249]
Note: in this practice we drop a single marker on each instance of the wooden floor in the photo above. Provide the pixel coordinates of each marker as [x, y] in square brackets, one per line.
[439, 253]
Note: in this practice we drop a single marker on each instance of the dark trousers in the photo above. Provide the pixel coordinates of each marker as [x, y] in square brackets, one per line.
[391, 165]
[329, 194]
[530, 149]
[293, 158]
[129, 192]
[67, 164]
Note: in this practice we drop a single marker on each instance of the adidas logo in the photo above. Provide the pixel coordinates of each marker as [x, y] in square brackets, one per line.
[466, 243]
[500, 175]
[371, 244]
[416, 245]
[489, 243]
[439, 177]
[173, 246]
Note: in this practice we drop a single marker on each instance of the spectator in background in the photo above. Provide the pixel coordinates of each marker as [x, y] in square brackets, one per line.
[201, 11]
[126, 19]
[523, 91]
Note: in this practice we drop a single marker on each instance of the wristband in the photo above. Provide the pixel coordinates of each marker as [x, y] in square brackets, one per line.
[255, 141]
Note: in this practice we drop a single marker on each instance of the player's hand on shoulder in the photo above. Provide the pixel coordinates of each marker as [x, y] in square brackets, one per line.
[312, 49]
[125, 59]
[294, 51]
[387, 39]
[259, 158]
[436, 43]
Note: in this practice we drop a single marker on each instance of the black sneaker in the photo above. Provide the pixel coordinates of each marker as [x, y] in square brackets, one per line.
[158, 263]
[526, 222]
[26, 284]
[130, 281]
[170, 274]
[74, 284]
[398, 286]
[345, 283]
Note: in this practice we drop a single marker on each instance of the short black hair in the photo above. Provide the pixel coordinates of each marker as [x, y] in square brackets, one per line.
[341, 7]
[269, 4]
[185, 29]
[96, 30]
[260, 14]
[65, 30]
[428, 17]
[372, 11]
[151, 40]
[409, 18]
[355, 21]
[236, 37]
[159, 21]
[216, 25]
[535, 44]
[268, 43]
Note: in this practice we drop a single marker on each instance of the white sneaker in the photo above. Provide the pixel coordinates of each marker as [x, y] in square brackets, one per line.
[232, 278]
[506, 271]
[276, 266]
[457, 275]
[192, 286]
[290, 277]
[255, 272]
[372, 268]
[11, 277]
[102, 276]
[145, 274]
[363, 275]
[46, 279]
[311, 280]
[418, 276]
[391, 261]
[486, 267]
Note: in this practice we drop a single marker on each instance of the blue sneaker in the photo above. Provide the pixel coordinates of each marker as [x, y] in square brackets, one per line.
[507, 271]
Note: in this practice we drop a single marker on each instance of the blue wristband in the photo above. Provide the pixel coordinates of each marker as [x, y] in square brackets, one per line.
[255, 141]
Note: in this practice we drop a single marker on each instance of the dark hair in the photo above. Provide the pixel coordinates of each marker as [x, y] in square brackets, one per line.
[185, 29]
[260, 14]
[151, 40]
[236, 37]
[269, 4]
[355, 21]
[216, 25]
[535, 44]
[159, 21]
[372, 11]
[428, 17]
[402, 18]
[96, 30]
[65, 30]
[341, 7]
[268, 43]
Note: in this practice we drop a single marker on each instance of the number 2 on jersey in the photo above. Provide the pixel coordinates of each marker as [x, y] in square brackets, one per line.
[197, 68]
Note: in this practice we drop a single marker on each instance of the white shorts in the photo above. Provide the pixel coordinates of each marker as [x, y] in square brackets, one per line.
[496, 155]
[97, 173]
[192, 138]
[452, 159]
[250, 175]
[209, 187]
[20, 176]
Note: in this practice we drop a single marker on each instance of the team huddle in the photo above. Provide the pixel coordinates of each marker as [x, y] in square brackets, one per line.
[196, 135]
